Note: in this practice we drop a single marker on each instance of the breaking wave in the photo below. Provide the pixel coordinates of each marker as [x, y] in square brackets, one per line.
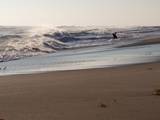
[20, 42]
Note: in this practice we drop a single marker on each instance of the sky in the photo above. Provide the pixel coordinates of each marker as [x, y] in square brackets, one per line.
[80, 12]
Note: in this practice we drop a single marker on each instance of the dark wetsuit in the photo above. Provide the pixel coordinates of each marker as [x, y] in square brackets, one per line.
[115, 35]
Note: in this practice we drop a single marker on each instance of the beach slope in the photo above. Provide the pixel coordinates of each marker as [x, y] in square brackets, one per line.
[123, 93]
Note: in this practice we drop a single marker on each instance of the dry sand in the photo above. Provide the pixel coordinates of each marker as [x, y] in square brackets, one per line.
[123, 93]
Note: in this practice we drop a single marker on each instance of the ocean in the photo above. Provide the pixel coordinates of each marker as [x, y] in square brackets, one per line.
[26, 50]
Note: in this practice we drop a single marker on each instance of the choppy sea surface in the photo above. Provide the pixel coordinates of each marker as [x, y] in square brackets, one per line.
[40, 49]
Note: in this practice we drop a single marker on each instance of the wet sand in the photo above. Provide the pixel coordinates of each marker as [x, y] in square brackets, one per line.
[123, 93]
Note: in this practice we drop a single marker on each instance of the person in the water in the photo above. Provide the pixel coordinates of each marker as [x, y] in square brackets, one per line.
[115, 35]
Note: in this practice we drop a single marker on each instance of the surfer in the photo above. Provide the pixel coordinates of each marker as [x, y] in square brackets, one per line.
[115, 35]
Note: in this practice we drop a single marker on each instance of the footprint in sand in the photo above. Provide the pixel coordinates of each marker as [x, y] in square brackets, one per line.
[102, 105]
[150, 68]
[156, 92]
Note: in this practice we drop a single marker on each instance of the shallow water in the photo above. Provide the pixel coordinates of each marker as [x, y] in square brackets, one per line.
[93, 57]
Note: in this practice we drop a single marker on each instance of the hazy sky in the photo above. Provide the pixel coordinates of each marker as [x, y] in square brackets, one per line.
[80, 12]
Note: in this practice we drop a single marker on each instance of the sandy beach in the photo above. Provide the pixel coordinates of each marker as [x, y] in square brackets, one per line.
[123, 93]
[79, 60]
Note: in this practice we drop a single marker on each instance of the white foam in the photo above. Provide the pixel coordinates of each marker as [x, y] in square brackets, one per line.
[97, 57]
[20, 42]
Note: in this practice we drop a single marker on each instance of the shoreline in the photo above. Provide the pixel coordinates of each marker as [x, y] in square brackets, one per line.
[70, 86]
[78, 70]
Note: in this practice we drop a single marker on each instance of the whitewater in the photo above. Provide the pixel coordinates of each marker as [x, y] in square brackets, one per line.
[40, 49]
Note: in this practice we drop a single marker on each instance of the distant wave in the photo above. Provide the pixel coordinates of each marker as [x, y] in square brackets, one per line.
[10, 36]
[20, 42]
